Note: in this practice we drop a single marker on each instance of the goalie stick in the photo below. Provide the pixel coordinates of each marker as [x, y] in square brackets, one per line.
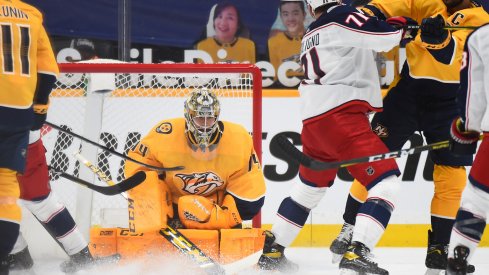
[115, 189]
[179, 241]
[61, 129]
[292, 151]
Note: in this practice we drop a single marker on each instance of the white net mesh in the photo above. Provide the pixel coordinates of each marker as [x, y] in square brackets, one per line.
[116, 110]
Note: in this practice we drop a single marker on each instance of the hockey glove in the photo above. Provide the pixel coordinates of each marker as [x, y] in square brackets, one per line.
[40, 115]
[432, 30]
[462, 142]
[408, 25]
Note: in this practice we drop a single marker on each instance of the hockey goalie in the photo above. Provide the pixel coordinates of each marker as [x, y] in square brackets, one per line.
[221, 184]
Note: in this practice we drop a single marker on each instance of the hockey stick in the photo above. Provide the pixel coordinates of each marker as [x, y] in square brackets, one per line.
[447, 27]
[100, 174]
[179, 241]
[315, 164]
[176, 168]
[115, 189]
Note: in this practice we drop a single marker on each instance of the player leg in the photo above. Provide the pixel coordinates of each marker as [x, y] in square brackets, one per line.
[305, 195]
[472, 215]
[394, 125]
[357, 196]
[449, 178]
[380, 179]
[12, 160]
[37, 197]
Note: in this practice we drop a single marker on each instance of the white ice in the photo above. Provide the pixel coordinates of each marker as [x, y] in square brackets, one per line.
[399, 261]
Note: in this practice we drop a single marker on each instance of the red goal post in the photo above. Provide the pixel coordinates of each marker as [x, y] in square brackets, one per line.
[115, 104]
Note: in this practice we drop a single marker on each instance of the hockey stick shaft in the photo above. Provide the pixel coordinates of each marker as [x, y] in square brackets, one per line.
[315, 164]
[179, 241]
[447, 27]
[100, 174]
[176, 168]
[116, 189]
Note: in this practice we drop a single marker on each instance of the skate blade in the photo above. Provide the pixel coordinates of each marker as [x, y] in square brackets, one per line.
[431, 271]
[336, 258]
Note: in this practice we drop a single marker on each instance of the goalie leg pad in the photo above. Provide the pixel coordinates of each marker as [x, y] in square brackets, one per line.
[149, 205]
[198, 212]
[34, 183]
[449, 184]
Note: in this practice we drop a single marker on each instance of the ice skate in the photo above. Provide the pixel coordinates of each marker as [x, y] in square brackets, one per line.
[436, 258]
[78, 261]
[273, 257]
[356, 261]
[458, 264]
[21, 260]
[340, 244]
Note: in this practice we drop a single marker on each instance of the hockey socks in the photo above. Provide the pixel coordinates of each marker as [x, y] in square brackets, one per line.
[291, 219]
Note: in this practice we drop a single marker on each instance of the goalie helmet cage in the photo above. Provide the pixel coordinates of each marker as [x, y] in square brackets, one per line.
[115, 104]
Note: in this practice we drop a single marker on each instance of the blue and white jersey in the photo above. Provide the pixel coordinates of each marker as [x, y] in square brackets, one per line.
[473, 96]
[337, 56]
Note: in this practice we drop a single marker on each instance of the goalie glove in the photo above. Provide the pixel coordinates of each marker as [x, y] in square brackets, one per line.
[462, 142]
[198, 212]
[408, 25]
[433, 31]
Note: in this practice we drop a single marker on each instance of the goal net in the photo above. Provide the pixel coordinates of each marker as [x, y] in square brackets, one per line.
[117, 104]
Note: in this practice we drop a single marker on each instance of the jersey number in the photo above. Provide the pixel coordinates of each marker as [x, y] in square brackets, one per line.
[7, 44]
[357, 18]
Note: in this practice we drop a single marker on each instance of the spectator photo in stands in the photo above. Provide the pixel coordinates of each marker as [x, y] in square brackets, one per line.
[286, 45]
[228, 40]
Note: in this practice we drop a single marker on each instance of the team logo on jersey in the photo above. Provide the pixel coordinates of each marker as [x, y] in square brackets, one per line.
[381, 131]
[370, 170]
[164, 128]
[200, 183]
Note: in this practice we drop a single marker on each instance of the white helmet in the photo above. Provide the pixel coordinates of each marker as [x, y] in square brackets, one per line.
[318, 3]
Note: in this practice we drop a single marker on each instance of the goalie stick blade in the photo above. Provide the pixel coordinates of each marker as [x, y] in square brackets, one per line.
[123, 186]
[61, 129]
[189, 249]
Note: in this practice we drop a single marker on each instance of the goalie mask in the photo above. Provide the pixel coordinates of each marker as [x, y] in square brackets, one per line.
[202, 110]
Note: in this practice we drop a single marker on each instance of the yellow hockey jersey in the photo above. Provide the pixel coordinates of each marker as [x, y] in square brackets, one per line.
[231, 168]
[242, 50]
[421, 63]
[282, 47]
[25, 50]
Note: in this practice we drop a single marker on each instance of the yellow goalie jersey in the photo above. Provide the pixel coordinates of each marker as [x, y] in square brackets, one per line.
[232, 168]
[421, 63]
[25, 51]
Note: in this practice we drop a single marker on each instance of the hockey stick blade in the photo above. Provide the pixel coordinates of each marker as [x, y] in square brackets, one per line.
[116, 189]
[189, 249]
[61, 129]
[289, 149]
